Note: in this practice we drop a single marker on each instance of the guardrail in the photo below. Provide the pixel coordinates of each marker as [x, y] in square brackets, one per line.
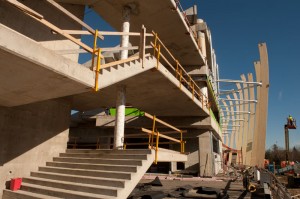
[181, 74]
[184, 78]
[154, 132]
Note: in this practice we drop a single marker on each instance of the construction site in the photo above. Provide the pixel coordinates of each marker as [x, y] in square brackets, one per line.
[146, 111]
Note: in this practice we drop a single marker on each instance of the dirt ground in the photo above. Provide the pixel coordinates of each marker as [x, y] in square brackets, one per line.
[171, 184]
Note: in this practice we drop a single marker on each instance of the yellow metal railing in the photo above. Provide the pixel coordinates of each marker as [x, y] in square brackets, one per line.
[180, 73]
[153, 144]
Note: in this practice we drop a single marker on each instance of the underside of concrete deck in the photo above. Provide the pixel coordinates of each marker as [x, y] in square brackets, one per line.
[172, 29]
[38, 74]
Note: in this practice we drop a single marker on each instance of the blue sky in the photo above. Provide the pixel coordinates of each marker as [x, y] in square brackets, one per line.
[237, 27]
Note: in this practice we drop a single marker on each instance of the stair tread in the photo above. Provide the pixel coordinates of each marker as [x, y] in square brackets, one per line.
[83, 177]
[31, 194]
[92, 170]
[99, 158]
[71, 183]
[94, 164]
[78, 193]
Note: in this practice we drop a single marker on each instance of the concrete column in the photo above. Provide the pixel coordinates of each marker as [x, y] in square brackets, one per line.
[125, 28]
[173, 166]
[120, 118]
[206, 157]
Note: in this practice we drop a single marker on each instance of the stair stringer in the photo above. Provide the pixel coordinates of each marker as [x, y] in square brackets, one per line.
[136, 177]
[120, 72]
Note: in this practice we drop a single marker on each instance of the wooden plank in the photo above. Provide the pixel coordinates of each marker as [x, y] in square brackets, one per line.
[160, 135]
[119, 62]
[146, 143]
[162, 122]
[241, 133]
[256, 135]
[251, 107]
[143, 134]
[72, 16]
[25, 9]
[226, 122]
[237, 117]
[232, 136]
[142, 45]
[264, 96]
[106, 33]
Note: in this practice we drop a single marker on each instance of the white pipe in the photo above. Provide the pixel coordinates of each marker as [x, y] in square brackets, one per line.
[120, 118]
[125, 28]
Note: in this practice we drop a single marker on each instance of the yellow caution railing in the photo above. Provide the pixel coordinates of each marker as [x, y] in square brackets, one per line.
[155, 135]
[180, 73]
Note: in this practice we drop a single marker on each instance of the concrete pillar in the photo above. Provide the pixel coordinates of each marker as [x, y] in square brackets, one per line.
[173, 166]
[125, 28]
[120, 118]
[206, 157]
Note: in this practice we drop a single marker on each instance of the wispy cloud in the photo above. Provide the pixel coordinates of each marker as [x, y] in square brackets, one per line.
[280, 95]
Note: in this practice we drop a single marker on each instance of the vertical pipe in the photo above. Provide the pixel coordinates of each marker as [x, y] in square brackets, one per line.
[125, 29]
[120, 118]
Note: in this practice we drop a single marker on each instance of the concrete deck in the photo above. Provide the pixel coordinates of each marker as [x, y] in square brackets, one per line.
[32, 73]
[172, 29]
[40, 74]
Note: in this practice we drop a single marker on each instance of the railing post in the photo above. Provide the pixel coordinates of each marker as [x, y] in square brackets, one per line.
[177, 65]
[180, 78]
[94, 49]
[193, 90]
[156, 147]
[142, 45]
[97, 70]
[98, 143]
[155, 42]
[158, 56]
[153, 129]
[181, 143]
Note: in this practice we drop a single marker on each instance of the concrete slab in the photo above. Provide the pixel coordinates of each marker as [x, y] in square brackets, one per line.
[148, 13]
[157, 86]
[32, 73]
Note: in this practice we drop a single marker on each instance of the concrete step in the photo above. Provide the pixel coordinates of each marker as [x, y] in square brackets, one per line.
[109, 156]
[80, 179]
[93, 173]
[93, 166]
[61, 193]
[99, 161]
[20, 194]
[94, 189]
[110, 151]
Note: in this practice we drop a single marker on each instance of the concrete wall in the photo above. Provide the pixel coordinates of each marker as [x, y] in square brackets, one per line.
[192, 146]
[90, 135]
[17, 20]
[206, 158]
[30, 136]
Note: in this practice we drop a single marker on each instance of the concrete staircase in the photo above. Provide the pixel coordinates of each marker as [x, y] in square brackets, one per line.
[82, 174]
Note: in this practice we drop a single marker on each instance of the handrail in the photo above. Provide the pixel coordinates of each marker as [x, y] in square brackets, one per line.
[154, 132]
[178, 4]
[181, 73]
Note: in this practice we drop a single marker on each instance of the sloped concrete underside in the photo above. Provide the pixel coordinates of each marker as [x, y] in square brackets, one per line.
[154, 91]
[32, 73]
[172, 29]
[38, 74]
